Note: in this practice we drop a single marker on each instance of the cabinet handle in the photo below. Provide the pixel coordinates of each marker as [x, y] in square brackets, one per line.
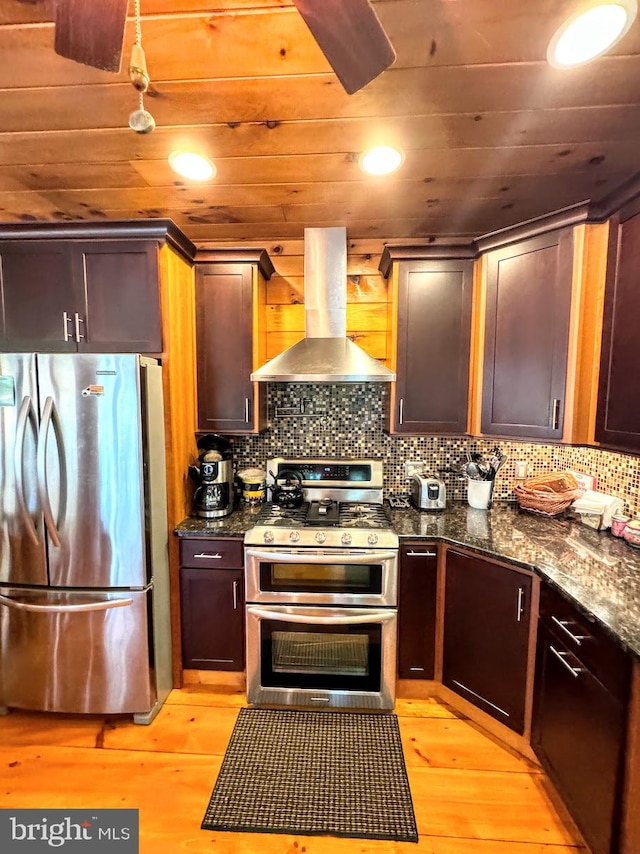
[555, 416]
[421, 554]
[66, 320]
[78, 321]
[417, 669]
[520, 604]
[561, 656]
[401, 416]
[247, 409]
[480, 697]
[206, 555]
[235, 595]
[563, 625]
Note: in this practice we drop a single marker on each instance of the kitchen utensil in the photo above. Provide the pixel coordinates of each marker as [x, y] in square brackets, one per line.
[287, 491]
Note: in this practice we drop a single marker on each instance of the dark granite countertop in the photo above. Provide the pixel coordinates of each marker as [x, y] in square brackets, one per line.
[598, 572]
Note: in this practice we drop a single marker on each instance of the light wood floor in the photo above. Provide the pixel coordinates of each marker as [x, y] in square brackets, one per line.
[471, 795]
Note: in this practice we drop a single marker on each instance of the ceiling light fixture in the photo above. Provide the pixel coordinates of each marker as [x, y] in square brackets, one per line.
[590, 32]
[381, 160]
[193, 166]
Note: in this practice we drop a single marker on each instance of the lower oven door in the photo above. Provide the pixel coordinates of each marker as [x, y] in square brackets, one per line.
[323, 657]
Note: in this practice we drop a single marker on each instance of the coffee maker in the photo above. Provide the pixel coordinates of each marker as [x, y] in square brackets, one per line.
[213, 474]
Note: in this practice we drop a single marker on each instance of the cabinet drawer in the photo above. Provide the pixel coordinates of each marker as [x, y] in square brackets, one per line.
[211, 554]
[587, 641]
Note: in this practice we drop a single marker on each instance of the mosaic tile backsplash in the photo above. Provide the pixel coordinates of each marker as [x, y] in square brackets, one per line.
[348, 421]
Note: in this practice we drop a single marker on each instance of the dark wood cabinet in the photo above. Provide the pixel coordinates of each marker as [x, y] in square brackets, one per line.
[80, 296]
[432, 345]
[487, 636]
[528, 303]
[417, 595]
[579, 720]
[618, 410]
[212, 604]
[119, 294]
[229, 302]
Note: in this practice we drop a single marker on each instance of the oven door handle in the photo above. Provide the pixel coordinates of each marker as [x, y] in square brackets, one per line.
[371, 617]
[316, 556]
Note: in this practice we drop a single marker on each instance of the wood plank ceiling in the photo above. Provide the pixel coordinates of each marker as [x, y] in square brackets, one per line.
[493, 135]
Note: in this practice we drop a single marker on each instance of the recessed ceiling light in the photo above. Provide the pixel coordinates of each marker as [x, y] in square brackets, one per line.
[591, 31]
[381, 160]
[195, 167]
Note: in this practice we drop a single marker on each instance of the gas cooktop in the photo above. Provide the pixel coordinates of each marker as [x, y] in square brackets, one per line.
[325, 522]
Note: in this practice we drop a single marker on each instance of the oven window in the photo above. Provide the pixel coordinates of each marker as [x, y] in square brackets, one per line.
[332, 657]
[321, 578]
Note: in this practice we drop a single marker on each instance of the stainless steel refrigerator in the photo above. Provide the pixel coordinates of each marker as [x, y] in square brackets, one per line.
[84, 587]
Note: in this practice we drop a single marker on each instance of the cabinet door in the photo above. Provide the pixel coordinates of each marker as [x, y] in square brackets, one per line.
[618, 414]
[37, 290]
[528, 304]
[578, 734]
[434, 332]
[212, 615]
[224, 324]
[486, 636]
[120, 306]
[417, 610]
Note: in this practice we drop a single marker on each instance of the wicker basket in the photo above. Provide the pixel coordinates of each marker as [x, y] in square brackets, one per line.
[548, 494]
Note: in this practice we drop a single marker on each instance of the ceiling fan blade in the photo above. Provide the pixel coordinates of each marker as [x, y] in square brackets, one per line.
[351, 37]
[91, 31]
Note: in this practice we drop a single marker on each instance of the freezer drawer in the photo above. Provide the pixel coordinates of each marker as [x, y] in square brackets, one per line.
[75, 652]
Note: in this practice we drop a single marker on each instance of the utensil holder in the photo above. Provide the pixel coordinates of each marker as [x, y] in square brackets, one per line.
[480, 493]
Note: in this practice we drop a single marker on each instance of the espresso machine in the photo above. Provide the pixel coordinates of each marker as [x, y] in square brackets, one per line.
[213, 474]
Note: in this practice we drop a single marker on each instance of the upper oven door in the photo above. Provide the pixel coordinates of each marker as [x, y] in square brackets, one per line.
[322, 576]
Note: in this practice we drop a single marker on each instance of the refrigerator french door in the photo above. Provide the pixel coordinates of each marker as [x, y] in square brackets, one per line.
[84, 605]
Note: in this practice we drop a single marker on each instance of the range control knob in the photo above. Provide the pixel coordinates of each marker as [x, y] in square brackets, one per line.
[372, 539]
[346, 539]
[321, 537]
[268, 536]
[294, 536]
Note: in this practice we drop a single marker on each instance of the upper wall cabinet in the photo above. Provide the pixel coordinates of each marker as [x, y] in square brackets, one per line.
[230, 339]
[618, 412]
[431, 333]
[528, 306]
[62, 294]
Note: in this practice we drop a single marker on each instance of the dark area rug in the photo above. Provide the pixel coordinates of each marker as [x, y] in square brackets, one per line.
[314, 773]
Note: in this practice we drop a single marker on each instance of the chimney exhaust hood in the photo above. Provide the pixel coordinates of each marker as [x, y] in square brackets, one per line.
[325, 354]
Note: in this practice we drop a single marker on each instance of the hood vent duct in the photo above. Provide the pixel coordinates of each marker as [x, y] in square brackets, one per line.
[325, 354]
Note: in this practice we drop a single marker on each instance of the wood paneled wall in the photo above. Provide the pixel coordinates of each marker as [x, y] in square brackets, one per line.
[368, 296]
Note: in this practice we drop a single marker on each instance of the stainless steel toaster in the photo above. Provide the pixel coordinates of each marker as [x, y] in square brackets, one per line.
[428, 493]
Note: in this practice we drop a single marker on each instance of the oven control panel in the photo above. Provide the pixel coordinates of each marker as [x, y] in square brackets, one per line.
[333, 473]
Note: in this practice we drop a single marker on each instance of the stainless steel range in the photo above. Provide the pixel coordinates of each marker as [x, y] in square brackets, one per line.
[321, 590]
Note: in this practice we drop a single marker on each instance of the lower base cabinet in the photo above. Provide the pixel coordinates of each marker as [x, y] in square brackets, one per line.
[487, 636]
[212, 605]
[580, 722]
[418, 584]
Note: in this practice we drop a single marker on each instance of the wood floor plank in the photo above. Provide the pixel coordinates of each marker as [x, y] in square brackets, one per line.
[177, 729]
[451, 743]
[27, 728]
[485, 805]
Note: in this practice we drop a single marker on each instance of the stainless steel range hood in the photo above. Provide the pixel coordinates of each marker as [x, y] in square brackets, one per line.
[325, 355]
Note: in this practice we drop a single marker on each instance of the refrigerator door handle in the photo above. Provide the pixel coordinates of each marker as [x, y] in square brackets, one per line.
[61, 609]
[25, 415]
[49, 419]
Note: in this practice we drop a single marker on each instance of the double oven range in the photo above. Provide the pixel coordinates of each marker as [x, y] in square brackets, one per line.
[321, 591]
